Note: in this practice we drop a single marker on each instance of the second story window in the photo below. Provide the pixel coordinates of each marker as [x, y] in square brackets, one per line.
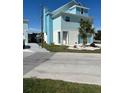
[82, 10]
[67, 19]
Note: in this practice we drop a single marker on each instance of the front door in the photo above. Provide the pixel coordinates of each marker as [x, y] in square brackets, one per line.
[65, 37]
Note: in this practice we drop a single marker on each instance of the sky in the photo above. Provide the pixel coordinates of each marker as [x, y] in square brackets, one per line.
[32, 10]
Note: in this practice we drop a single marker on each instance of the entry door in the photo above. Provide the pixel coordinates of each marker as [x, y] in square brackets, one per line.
[65, 37]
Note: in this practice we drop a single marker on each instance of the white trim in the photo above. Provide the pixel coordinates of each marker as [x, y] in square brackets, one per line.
[64, 6]
[79, 7]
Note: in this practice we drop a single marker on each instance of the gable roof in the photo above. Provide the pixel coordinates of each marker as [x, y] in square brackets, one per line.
[65, 7]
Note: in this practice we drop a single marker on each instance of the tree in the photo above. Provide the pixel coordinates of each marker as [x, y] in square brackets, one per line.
[98, 35]
[85, 30]
[82, 31]
[42, 39]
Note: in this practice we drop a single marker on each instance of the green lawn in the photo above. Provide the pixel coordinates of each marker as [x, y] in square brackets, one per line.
[58, 48]
[33, 85]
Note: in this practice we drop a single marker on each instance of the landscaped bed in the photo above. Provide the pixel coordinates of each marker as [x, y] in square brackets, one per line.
[33, 85]
[61, 48]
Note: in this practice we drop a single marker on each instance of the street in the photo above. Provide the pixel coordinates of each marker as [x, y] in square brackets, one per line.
[73, 67]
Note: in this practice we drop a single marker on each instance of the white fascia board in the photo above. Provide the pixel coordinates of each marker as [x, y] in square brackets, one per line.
[79, 7]
[77, 15]
[64, 6]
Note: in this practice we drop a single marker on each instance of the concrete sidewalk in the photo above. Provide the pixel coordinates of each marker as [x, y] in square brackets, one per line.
[74, 67]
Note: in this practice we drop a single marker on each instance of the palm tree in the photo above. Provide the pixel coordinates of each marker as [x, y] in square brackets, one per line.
[85, 30]
[89, 28]
[82, 31]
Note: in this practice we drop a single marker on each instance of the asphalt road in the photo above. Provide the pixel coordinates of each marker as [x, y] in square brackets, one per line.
[74, 67]
[31, 60]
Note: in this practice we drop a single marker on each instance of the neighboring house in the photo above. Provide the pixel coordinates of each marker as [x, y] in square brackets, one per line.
[97, 37]
[61, 26]
[25, 31]
[34, 37]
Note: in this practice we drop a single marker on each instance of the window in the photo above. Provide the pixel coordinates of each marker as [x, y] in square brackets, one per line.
[58, 37]
[67, 19]
[82, 10]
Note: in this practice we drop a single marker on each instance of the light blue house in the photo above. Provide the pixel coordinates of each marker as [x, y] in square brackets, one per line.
[25, 31]
[61, 26]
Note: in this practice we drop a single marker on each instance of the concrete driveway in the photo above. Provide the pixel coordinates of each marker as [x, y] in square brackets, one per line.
[34, 48]
[73, 67]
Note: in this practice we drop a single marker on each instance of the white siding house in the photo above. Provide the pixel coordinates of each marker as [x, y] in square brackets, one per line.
[61, 26]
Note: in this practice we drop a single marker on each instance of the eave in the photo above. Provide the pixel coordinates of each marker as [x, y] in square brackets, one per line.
[70, 14]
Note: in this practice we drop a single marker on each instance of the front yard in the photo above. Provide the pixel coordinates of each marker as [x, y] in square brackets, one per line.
[33, 85]
[58, 48]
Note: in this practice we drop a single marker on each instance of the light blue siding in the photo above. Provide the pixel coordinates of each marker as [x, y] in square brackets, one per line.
[90, 39]
[48, 25]
[57, 24]
[73, 11]
[77, 10]
[72, 25]
[80, 40]
[49, 29]
[44, 20]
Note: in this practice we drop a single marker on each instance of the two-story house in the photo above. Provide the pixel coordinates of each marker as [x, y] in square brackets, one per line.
[61, 26]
